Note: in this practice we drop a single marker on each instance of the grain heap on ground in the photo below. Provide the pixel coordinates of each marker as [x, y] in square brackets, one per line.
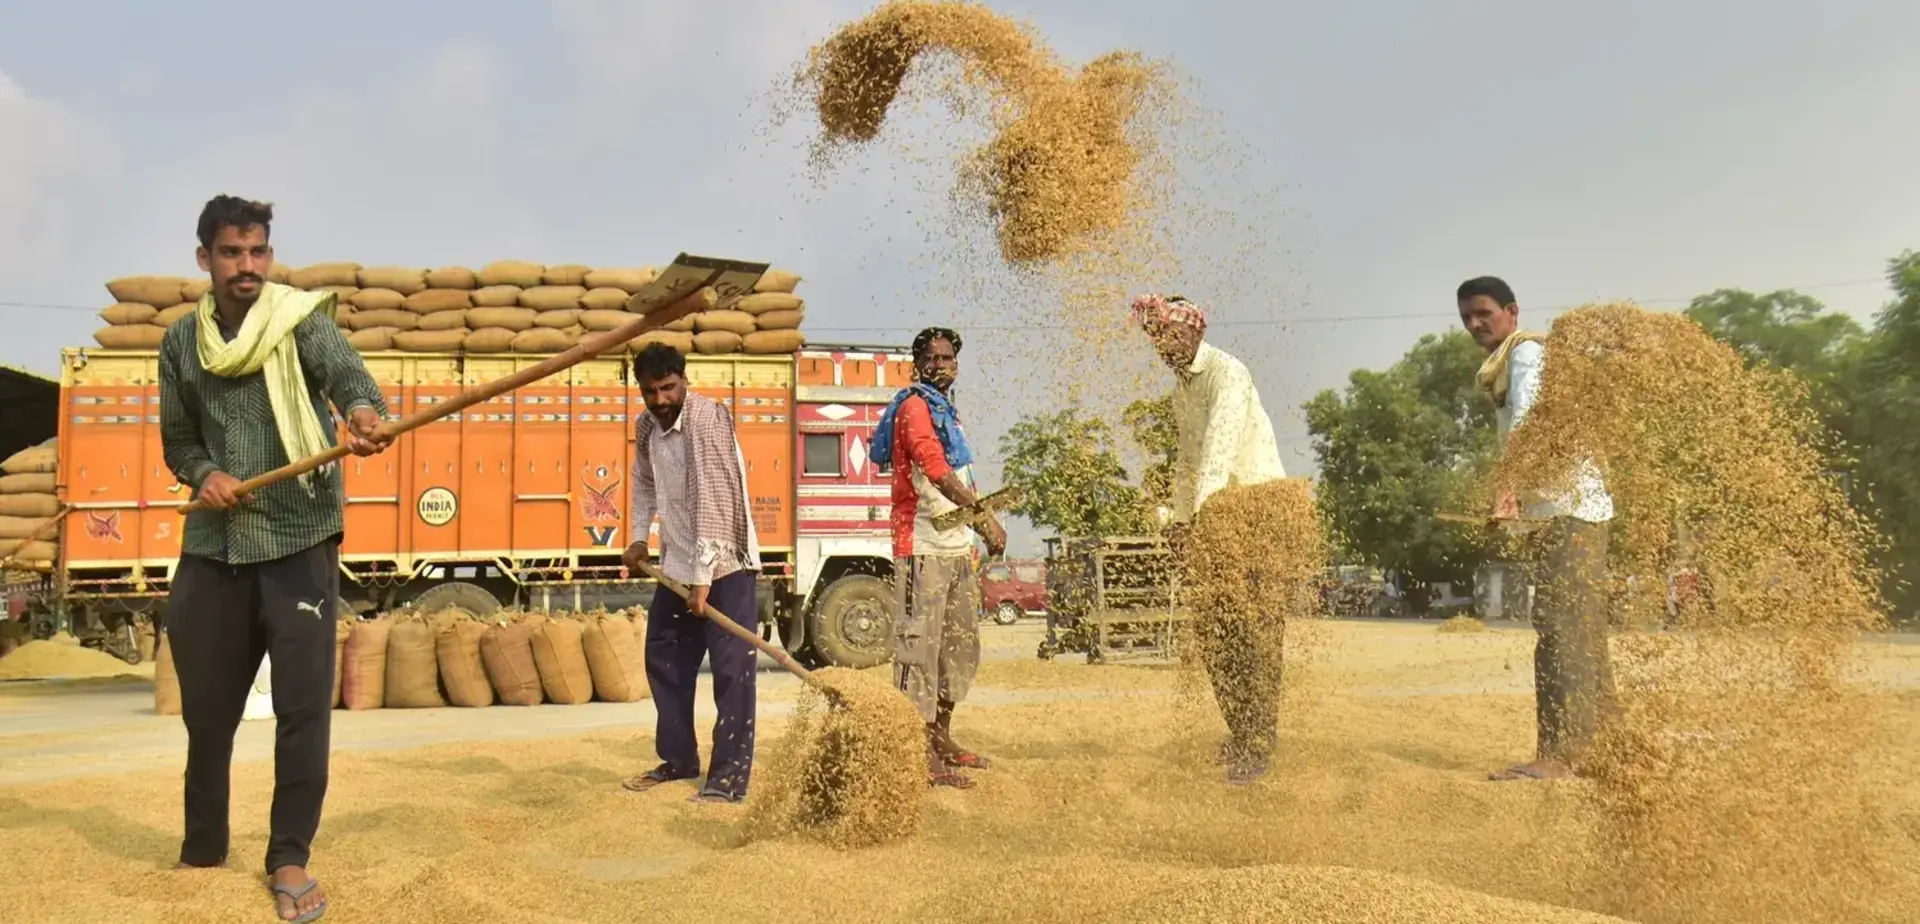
[503, 307]
[29, 531]
[852, 772]
[1729, 782]
[59, 658]
[1059, 172]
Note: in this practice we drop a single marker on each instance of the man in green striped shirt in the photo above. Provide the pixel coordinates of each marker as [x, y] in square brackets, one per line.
[245, 384]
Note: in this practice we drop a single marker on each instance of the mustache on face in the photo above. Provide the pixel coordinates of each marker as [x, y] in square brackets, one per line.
[246, 278]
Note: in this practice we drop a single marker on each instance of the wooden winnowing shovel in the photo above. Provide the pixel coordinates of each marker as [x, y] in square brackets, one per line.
[744, 634]
[691, 303]
[982, 510]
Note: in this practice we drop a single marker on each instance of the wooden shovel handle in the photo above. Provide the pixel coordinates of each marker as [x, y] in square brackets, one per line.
[692, 303]
[737, 630]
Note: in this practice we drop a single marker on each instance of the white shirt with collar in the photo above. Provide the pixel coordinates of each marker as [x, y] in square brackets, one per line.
[1589, 501]
[1225, 434]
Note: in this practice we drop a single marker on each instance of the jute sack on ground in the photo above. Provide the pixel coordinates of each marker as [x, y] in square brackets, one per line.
[432, 300]
[552, 298]
[153, 290]
[736, 322]
[430, 341]
[396, 318]
[768, 342]
[717, 342]
[761, 302]
[562, 660]
[413, 667]
[513, 319]
[489, 340]
[378, 300]
[461, 667]
[32, 459]
[679, 340]
[452, 277]
[195, 289]
[325, 274]
[26, 528]
[507, 653]
[342, 628]
[29, 505]
[511, 273]
[496, 297]
[398, 278]
[364, 683]
[626, 280]
[614, 659]
[129, 313]
[38, 483]
[600, 319]
[558, 320]
[166, 682]
[170, 315]
[542, 340]
[605, 299]
[39, 552]
[373, 339]
[443, 320]
[777, 280]
[566, 274]
[130, 337]
[780, 320]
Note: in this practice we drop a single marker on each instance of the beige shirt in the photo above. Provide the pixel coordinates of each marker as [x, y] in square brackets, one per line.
[1225, 434]
[674, 504]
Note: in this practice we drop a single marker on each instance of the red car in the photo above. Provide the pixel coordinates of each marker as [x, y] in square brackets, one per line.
[1011, 589]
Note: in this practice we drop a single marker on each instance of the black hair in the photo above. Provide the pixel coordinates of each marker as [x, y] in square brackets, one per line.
[657, 361]
[928, 336]
[1492, 287]
[223, 211]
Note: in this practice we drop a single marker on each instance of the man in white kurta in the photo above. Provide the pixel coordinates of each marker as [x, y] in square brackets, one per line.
[1225, 440]
[1573, 682]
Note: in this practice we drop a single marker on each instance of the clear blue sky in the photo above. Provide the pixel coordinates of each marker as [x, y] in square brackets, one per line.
[1631, 150]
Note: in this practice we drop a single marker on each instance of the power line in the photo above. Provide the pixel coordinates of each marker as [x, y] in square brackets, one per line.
[1266, 322]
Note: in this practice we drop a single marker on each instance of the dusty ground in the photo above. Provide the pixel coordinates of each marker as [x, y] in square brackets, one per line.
[1102, 805]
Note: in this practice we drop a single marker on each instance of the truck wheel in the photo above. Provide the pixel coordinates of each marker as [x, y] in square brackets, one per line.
[471, 599]
[1006, 614]
[853, 622]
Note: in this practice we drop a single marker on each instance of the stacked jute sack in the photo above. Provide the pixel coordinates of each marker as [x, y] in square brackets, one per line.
[413, 660]
[29, 538]
[504, 307]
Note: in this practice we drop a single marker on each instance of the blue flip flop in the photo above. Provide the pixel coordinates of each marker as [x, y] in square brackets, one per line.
[295, 893]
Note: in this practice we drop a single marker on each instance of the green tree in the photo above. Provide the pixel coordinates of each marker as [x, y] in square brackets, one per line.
[1398, 447]
[1069, 470]
[1792, 331]
[1158, 436]
[1882, 426]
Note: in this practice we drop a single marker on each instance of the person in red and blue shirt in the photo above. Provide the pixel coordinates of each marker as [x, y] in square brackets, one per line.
[937, 645]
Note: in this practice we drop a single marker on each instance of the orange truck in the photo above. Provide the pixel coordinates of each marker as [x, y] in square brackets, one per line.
[522, 500]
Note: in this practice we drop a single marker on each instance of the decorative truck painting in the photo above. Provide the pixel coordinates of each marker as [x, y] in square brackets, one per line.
[523, 499]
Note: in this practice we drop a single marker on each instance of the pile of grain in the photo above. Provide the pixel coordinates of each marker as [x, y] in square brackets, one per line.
[1728, 780]
[1059, 174]
[504, 307]
[60, 658]
[29, 508]
[1462, 624]
[415, 660]
[852, 773]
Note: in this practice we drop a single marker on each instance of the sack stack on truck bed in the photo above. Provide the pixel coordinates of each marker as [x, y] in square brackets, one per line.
[508, 306]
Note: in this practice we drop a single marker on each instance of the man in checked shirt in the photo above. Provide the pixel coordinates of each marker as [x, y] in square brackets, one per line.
[245, 384]
[688, 468]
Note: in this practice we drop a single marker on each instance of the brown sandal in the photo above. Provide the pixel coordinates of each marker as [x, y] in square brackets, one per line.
[650, 779]
[954, 780]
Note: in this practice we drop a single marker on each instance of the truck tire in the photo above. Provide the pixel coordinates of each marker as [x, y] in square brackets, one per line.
[471, 599]
[853, 622]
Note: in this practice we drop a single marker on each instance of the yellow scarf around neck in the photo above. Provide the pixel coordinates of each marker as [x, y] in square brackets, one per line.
[265, 344]
[1493, 372]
